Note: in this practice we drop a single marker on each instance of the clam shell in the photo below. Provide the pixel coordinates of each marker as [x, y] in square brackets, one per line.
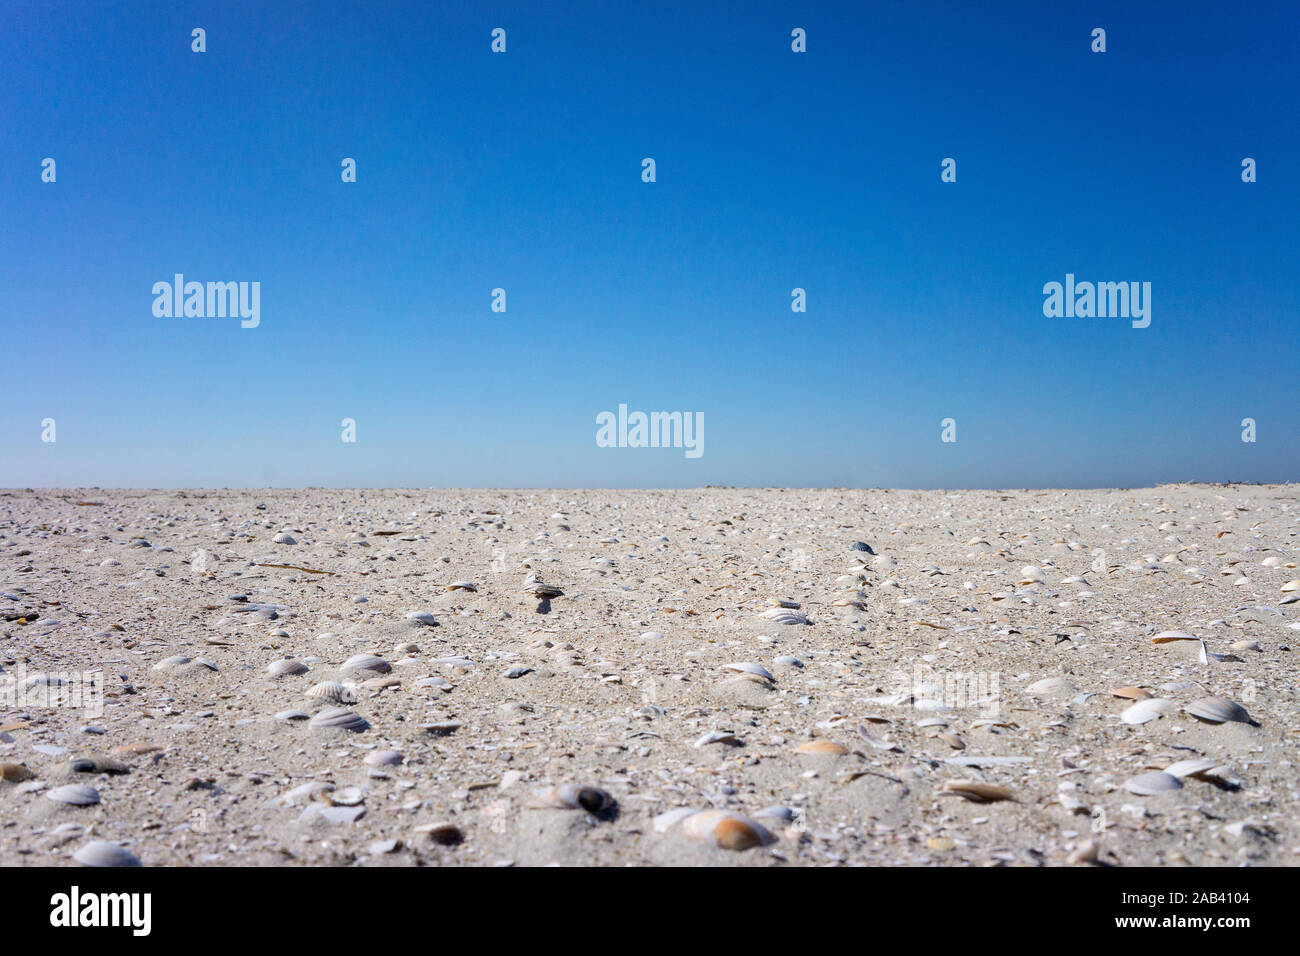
[421, 619]
[286, 667]
[385, 758]
[745, 667]
[1291, 586]
[1131, 693]
[1152, 782]
[572, 796]
[74, 794]
[726, 830]
[1164, 637]
[1218, 710]
[340, 719]
[1148, 709]
[1190, 768]
[1050, 686]
[288, 716]
[334, 692]
[822, 746]
[104, 853]
[365, 662]
[780, 615]
[976, 791]
[167, 663]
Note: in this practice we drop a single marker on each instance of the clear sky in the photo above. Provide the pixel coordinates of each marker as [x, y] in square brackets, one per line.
[523, 171]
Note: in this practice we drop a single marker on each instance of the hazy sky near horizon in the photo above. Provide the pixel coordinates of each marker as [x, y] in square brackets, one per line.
[775, 170]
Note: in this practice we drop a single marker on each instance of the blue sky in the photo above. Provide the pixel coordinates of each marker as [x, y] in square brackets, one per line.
[522, 170]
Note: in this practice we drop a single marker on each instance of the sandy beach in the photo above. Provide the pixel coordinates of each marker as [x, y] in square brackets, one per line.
[716, 676]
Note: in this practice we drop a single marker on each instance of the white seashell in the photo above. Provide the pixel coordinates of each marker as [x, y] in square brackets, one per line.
[1190, 768]
[572, 796]
[167, 663]
[286, 667]
[291, 715]
[1031, 574]
[339, 719]
[1155, 781]
[652, 636]
[1145, 710]
[1050, 686]
[421, 618]
[1165, 637]
[1218, 710]
[305, 791]
[716, 737]
[365, 662]
[284, 537]
[745, 667]
[785, 660]
[334, 692]
[385, 758]
[666, 820]
[780, 615]
[104, 853]
[74, 794]
[1291, 586]
[726, 830]
[461, 586]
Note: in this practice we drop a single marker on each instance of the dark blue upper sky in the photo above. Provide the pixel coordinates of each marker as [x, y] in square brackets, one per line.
[775, 170]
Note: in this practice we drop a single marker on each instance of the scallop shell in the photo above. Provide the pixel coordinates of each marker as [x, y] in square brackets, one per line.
[822, 746]
[338, 718]
[1147, 709]
[976, 791]
[726, 830]
[365, 662]
[286, 667]
[74, 794]
[572, 796]
[745, 667]
[780, 615]
[284, 537]
[334, 692]
[1218, 710]
[1152, 782]
[104, 853]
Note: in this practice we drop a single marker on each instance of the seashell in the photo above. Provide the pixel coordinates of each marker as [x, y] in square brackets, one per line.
[284, 537]
[1190, 768]
[779, 813]
[442, 728]
[291, 715]
[286, 667]
[1164, 637]
[1245, 646]
[422, 619]
[365, 662]
[1291, 586]
[976, 791]
[1050, 686]
[1218, 710]
[1030, 574]
[97, 764]
[572, 796]
[461, 662]
[385, 758]
[446, 834]
[14, 773]
[74, 794]
[726, 830]
[745, 667]
[717, 737]
[334, 692]
[822, 746]
[104, 853]
[670, 818]
[782, 602]
[651, 636]
[780, 615]
[1147, 709]
[305, 791]
[1131, 693]
[167, 663]
[401, 650]
[542, 591]
[462, 586]
[336, 718]
[1152, 782]
[440, 683]
[347, 797]
[785, 660]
